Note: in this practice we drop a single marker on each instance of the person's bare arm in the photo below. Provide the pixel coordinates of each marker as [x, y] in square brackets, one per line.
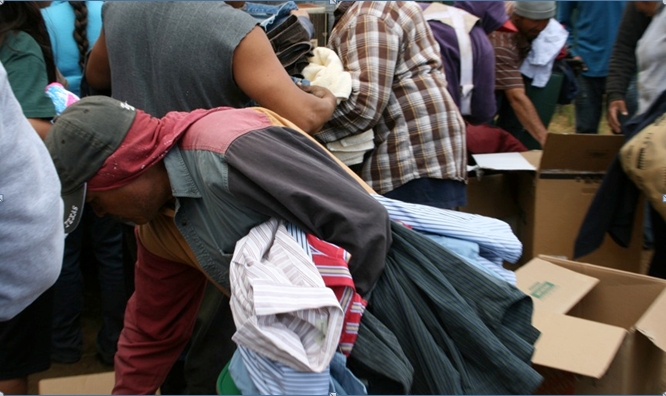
[98, 71]
[259, 74]
[527, 114]
[41, 125]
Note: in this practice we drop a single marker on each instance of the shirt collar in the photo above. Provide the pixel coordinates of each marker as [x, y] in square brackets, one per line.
[182, 184]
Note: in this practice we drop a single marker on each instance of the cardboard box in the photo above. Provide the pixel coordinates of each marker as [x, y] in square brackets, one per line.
[603, 331]
[545, 195]
[89, 384]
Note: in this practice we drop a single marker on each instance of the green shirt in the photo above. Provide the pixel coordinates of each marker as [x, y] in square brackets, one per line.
[26, 70]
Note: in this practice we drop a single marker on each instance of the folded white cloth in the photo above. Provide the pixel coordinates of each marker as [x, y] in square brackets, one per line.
[538, 65]
[325, 70]
[351, 149]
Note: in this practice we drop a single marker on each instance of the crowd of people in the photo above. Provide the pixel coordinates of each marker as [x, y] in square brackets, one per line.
[192, 163]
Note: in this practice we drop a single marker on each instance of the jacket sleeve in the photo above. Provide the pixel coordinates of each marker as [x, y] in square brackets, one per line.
[159, 321]
[370, 58]
[282, 173]
[622, 63]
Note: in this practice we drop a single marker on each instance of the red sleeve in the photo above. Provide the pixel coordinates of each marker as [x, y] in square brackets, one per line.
[159, 320]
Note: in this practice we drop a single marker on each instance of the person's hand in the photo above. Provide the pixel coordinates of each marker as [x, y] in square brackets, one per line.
[542, 139]
[616, 108]
[320, 92]
[583, 66]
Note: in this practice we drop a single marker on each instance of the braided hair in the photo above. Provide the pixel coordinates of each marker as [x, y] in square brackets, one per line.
[26, 16]
[80, 29]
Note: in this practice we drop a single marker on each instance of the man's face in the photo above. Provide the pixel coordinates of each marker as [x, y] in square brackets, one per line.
[530, 28]
[135, 203]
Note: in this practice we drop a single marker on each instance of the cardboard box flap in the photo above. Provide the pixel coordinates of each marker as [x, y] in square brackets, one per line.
[503, 162]
[653, 322]
[579, 152]
[552, 287]
[576, 345]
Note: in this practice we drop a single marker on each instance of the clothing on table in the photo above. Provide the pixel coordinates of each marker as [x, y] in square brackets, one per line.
[391, 88]
[176, 247]
[538, 65]
[60, 21]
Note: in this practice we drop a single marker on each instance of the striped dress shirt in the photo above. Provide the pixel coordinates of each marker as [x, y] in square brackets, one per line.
[398, 91]
[281, 306]
[496, 240]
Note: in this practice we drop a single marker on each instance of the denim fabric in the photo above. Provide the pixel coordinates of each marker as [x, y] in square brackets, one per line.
[589, 102]
[269, 16]
[67, 340]
[343, 381]
[443, 194]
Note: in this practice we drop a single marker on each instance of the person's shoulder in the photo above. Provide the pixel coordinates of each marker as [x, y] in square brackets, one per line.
[22, 43]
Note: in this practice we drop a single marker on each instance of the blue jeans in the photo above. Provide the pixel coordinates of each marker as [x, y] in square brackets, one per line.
[268, 15]
[67, 339]
[589, 103]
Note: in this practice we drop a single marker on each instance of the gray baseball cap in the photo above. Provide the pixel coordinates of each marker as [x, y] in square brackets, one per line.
[536, 10]
[80, 140]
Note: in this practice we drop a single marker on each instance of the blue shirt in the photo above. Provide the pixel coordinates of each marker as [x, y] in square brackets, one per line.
[592, 26]
[59, 18]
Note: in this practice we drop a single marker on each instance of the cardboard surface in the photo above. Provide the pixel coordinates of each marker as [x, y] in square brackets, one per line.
[554, 288]
[551, 191]
[611, 336]
[90, 384]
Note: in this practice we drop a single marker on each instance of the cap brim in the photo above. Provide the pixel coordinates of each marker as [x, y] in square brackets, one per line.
[74, 202]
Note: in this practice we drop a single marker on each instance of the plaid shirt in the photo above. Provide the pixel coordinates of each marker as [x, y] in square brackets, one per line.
[398, 91]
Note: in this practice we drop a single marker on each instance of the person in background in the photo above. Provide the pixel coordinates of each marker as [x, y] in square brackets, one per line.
[467, 24]
[592, 26]
[512, 44]
[73, 28]
[621, 82]
[399, 92]
[620, 87]
[28, 237]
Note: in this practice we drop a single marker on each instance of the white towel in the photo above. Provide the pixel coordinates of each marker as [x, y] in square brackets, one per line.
[538, 65]
[325, 70]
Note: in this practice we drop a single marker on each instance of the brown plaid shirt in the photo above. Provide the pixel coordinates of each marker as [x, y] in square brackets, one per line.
[398, 91]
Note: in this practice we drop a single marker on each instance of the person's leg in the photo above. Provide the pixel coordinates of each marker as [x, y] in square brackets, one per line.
[107, 239]
[211, 346]
[25, 344]
[588, 103]
[67, 338]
